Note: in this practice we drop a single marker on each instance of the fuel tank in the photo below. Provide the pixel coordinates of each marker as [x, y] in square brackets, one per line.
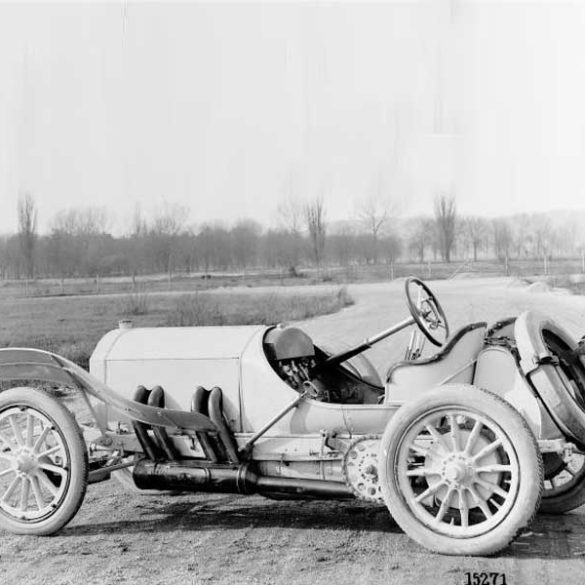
[177, 358]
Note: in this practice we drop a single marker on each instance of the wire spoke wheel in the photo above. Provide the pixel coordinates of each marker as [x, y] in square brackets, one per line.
[460, 471]
[43, 462]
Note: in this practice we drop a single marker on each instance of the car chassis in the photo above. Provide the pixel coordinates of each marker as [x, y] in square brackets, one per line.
[463, 447]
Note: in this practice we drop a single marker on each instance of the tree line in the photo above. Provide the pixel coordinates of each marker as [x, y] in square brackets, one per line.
[79, 242]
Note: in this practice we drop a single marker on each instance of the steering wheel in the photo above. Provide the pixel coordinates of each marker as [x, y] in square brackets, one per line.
[426, 311]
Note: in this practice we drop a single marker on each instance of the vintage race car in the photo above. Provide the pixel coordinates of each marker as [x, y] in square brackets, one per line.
[463, 447]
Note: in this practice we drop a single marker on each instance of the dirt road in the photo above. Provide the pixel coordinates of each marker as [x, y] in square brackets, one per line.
[187, 539]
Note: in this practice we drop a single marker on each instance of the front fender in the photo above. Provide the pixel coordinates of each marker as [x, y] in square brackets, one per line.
[26, 364]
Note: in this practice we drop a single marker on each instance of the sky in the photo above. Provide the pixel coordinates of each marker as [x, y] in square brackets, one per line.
[229, 108]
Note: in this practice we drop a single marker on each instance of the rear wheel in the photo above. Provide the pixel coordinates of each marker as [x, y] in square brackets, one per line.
[564, 483]
[43, 463]
[460, 471]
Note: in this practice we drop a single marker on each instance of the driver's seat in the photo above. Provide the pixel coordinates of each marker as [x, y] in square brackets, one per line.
[454, 363]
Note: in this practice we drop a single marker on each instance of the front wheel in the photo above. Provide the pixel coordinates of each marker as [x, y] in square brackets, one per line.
[43, 463]
[460, 471]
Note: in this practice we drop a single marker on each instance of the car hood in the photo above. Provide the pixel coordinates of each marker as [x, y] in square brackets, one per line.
[174, 343]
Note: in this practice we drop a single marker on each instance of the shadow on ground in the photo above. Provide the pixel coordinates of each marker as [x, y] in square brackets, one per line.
[192, 513]
[549, 537]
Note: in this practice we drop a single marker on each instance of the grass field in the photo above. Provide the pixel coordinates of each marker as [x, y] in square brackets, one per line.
[71, 326]
[69, 317]
[199, 281]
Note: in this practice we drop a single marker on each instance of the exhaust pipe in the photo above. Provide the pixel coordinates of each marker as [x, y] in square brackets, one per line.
[199, 405]
[242, 479]
[157, 398]
[141, 430]
[214, 404]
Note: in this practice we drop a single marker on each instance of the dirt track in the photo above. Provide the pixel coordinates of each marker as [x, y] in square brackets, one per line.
[121, 538]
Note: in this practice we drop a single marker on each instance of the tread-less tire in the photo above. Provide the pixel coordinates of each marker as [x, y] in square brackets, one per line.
[43, 463]
[561, 386]
[460, 471]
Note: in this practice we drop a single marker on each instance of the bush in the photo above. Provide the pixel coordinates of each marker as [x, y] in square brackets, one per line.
[195, 310]
[78, 352]
[344, 298]
[204, 308]
[136, 303]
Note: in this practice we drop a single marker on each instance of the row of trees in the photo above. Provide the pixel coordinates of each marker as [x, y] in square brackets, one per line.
[80, 242]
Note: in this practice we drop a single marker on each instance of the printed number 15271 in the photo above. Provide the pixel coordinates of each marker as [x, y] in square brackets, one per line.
[485, 579]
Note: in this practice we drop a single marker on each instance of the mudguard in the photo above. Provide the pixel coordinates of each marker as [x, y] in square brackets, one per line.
[35, 364]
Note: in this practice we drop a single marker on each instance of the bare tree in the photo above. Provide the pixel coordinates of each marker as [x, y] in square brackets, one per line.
[82, 221]
[78, 240]
[4, 263]
[315, 220]
[136, 250]
[245, 235]
[565, 238]
[213, 246]
[391, 248]
[422, 237]
[342, 245]
[138, 224]
[475, 230]
[503, 239]
[164, 233]
[523, 230]
[445, 220]
[290, 216]
[374, 211]
[27, 232]
[543, 236]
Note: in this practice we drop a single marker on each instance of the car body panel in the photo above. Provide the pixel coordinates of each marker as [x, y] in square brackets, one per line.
[265, 394]
[177, 358]
[498, 372]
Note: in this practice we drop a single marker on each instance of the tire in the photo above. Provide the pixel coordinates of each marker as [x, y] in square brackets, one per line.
[438, 490]
[560, 386]
[566, 483]
[43, 463]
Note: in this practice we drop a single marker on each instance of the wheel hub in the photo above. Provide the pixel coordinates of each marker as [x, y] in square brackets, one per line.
[457, 470]
[25, 462]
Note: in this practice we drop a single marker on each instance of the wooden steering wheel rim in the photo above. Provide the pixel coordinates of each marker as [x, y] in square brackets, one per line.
[419, 319]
